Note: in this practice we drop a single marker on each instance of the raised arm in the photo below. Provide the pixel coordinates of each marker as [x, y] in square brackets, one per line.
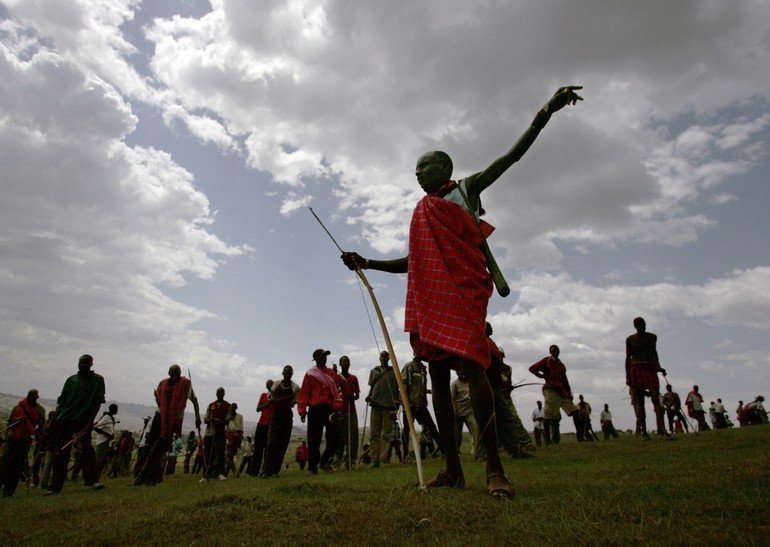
[478, 182]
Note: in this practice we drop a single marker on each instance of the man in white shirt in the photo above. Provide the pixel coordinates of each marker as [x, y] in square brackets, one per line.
[101, 436]
[537, 418]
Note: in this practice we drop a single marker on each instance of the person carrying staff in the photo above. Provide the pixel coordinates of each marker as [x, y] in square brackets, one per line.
[448, 289]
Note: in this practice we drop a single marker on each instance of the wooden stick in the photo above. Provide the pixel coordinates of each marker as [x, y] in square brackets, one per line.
[396, 369]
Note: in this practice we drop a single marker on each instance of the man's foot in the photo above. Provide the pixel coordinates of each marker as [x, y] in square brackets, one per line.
[52, 492]
[445, 480]
[97, 486]
[375, 465]
[327, 468]
[203, 479]
[222, 478]
[499, 487]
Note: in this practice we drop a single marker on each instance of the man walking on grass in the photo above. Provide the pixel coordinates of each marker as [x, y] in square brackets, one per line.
[78, 405]
[319, 398]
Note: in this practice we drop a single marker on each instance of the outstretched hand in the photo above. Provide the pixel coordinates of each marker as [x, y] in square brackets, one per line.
[353, 261]
[563, 97]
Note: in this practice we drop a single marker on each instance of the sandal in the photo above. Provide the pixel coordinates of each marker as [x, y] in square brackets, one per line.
[444, 479]
[500, 487]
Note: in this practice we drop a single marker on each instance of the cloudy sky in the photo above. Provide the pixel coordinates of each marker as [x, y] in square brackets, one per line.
[159, 157]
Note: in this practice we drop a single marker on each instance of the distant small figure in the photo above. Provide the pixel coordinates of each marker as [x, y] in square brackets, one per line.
[754, 413]
[102, 437]
[395, 440]
[366, 456]
[191, 445]
[537, 418]
[673, 405]
[720, 419]
[695, 410]
[461, 399]
[557, 393]
[605, 418]
[233, 439]
[248, 455]
[300, 455]
[121, 460]
[265, 408]
[177, 445]
[584, 413]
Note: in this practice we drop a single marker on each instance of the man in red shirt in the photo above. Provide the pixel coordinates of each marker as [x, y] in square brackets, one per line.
[300, 456]
[23, 422]
[218, 415]
[260, 434]
[557, 393]
[319, 397]
[347, 445]
[448, 289]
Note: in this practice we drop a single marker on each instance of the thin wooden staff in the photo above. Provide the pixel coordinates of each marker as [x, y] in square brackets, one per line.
[396, 368]
[82, 432]
[13, 424]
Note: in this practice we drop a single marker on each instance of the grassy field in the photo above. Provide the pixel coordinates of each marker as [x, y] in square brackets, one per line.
[709, 489]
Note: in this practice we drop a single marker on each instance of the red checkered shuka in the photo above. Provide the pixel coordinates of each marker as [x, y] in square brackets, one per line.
[644, 375]
[448, 286]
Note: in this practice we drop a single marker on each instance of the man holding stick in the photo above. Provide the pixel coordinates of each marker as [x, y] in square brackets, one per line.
[448, 288]
[642, 368]
[26, 419]
[171, 395]
[78, 405]
[347, 447]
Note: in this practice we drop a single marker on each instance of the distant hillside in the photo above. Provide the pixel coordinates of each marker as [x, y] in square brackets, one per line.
[130, 415]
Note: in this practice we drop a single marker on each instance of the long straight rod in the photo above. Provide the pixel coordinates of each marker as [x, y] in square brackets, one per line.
[396, 369]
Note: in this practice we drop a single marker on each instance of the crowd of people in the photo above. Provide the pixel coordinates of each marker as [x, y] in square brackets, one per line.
[72, 441]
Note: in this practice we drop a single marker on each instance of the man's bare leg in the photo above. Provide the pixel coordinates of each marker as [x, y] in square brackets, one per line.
[655, 396]
[483, 403]
[445, 420]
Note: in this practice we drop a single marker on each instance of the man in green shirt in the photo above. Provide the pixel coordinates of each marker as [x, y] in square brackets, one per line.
[78, 405]
[384, 399]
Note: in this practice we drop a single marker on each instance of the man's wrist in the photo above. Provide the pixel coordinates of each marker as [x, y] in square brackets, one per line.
[366, 264]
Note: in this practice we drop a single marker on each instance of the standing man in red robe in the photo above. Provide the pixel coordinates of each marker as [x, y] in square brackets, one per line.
[448, 288]
[642, 368]
[23, 423]
[171, 395]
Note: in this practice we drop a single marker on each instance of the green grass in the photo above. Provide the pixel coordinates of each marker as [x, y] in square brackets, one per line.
[709, 489]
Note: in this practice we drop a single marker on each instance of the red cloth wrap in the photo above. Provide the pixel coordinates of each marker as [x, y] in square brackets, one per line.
[448, 286]
[25, 428]
[644, 375]
[172, 401]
